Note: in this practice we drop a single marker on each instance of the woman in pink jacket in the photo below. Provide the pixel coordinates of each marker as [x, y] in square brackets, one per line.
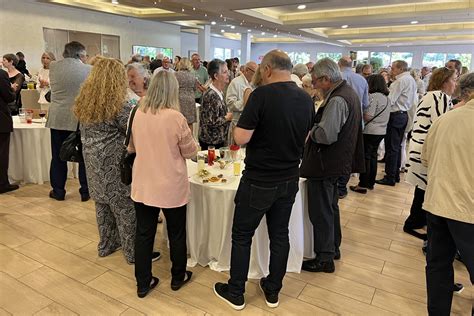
[162, 141]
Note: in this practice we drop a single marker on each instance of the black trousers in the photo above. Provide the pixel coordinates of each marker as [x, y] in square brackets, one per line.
[4, 156]
[371, 144]
[417, 217]
[393, 143]
[323, 211]
[444, 237]
[147, 220]
[58, 170]
[253, 200]
[342, 184]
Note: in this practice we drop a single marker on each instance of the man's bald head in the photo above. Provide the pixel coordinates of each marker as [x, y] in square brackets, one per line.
[251, 65]
[249, 70]
[345, 62]
[277, 60]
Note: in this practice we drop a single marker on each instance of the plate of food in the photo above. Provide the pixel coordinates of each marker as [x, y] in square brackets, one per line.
[208, 178]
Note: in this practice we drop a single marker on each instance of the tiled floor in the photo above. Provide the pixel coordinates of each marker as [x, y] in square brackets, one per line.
[49, 265]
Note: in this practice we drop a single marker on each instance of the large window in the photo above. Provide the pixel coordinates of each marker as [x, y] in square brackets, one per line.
[465, 59]
[222, 53]
[333, 56]
[380, 60]
[299, 57]
[408, 57]
[439, 59]
[152, 51]
[362, 57]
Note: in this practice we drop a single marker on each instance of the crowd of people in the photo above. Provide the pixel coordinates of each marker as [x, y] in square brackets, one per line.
[321, 121]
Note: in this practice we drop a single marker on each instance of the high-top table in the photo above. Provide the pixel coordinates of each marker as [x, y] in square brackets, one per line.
[30, 153]
[209, 226]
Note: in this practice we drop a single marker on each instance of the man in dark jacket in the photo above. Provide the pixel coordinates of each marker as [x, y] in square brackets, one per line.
[6, 127]
[334, 148]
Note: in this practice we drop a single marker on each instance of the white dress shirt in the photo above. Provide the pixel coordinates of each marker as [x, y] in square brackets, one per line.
[235, 96]
[403, 93]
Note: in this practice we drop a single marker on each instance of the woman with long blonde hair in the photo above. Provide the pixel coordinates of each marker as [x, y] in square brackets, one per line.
[162, 141]
[103, 112]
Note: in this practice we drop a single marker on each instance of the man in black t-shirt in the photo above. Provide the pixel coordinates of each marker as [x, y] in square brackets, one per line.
[274, 124]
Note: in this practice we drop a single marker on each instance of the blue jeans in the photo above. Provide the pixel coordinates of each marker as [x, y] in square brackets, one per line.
[252, 201]
[58, 170]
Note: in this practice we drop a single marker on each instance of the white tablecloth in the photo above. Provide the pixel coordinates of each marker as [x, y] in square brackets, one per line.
[30, 153]
[209, 227]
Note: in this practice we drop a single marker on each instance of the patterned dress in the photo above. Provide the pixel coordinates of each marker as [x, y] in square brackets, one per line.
[103, 144]
[430, 108]
[213, 127]
[187, 88]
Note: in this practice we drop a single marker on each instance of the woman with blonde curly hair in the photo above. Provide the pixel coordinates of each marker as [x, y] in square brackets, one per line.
[103, 112]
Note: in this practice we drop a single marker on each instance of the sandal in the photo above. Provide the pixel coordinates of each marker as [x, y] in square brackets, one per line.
[176, 285]
[154, 282]
[358, 189]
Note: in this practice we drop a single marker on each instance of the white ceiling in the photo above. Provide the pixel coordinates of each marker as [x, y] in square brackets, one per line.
[369, 22]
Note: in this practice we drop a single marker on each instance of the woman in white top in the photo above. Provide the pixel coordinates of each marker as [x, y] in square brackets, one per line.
[436, 102]
[376, 118]
[42, 82]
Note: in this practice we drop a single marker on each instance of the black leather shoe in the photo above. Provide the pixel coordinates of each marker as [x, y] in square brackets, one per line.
[9, 188]
[54, 196]
[358, 189]
[176, 285]
[318, 266]
[85, 197]
[385, 181]
[144, 292]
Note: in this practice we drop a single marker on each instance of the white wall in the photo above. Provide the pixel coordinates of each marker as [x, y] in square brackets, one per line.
[22, 22]
[418, 51]
[189, 42]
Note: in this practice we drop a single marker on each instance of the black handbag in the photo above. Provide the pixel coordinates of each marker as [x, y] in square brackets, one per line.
[71, 149]
[126, 162]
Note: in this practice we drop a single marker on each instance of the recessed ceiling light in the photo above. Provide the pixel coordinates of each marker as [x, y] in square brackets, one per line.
[301, 7]
[205, 14]
[213, 22]
[182, 10]
[194, 9]
[345, 26]
[232, 27]
[222, 31]
[275, 35]
[263, 33]
[154, 3]
[414, 22]
[249, 30]
[115, 2]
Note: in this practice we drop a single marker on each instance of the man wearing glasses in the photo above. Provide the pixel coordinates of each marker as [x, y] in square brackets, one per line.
[235, 91]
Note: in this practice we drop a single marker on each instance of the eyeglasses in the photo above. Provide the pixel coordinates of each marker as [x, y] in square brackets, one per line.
[321, 77]
[253, 71]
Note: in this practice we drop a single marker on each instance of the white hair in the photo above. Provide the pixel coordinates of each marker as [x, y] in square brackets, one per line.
[300, 70]
[327, 67]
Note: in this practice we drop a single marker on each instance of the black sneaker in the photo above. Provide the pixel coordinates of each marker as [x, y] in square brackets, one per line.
[155, 256]
[222, 291]
[458, 288]
[270, 299]
[318, 266]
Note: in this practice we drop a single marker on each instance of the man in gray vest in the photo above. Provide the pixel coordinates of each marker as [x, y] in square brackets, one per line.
[66, 77]
[334, 148]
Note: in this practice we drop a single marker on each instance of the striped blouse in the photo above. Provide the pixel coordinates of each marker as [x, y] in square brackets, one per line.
[430, 108]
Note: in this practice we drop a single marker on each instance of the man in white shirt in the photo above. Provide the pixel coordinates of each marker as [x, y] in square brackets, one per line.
[402, 97]
[425, 76]
[165, 66]
[235, 91]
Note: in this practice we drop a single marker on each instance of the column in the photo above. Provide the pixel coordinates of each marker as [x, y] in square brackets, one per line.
[204, 43]
[245, 43]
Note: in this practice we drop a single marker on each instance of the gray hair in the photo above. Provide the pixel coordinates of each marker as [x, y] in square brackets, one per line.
[74, 50]
[466, 84]
[140, 68]
[300, 70]
[415, 73]
[328, 68]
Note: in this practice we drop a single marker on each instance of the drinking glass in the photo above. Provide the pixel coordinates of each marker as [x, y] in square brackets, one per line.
[29, 117]
[201, 162]
[22, 115]
[211, 155]
[42, 114]
[236, 164]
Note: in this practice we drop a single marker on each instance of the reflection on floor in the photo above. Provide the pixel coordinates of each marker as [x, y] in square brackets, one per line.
[49, 265]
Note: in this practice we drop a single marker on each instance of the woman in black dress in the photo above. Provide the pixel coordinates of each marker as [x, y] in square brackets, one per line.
[16, 79]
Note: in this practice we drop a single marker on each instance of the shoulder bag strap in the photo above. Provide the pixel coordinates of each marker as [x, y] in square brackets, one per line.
[378, 114]
[129, 129]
